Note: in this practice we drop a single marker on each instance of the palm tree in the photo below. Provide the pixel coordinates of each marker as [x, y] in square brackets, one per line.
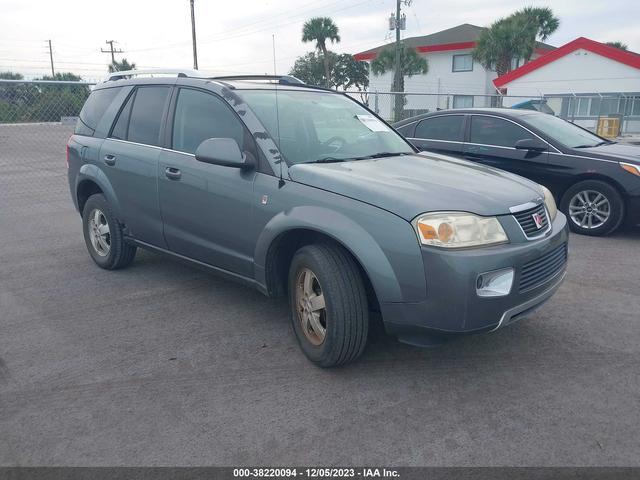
[514, 37]
[620, 45]
[121, 66]
[319, 30]
[411, 63]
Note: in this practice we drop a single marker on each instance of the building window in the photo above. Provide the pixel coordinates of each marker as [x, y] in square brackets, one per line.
[462, 101]
[463, 63]
[579, 106]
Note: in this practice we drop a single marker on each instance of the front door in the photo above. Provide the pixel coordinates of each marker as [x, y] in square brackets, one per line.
[492, 142]
[206, 209]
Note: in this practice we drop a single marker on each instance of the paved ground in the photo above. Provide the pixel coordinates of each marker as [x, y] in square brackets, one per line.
[161, 364]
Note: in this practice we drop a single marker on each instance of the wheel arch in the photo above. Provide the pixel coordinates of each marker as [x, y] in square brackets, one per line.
[287, 232]
[91, 180]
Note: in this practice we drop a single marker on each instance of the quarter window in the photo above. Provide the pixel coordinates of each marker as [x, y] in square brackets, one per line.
[146, 115]
[446, 127]
[200, 116]
[462, 63]
[496, 131]
[94, 109]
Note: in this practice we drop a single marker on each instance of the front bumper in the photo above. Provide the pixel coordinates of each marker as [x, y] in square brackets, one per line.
[452, 305]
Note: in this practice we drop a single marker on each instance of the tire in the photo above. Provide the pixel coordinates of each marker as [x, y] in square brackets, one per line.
[596, 199]
[103, 235]
[345, 315]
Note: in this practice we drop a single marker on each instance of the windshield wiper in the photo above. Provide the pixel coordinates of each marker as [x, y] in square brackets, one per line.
[604, 142]
[364, 157]
[327, 160]
[382, 155]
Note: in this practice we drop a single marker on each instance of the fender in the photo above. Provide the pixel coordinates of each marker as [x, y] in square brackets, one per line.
[355, 238]
[89, 171]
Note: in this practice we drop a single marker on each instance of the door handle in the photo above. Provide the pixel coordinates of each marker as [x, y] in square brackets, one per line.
[172, 173]
[110, 159]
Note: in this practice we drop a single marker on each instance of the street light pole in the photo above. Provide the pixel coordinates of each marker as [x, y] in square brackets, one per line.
[193, 36]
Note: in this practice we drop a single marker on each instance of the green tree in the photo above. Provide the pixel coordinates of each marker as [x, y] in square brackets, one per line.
[514, 37]
[411, 63]
[56, 101]
[121, 66]
[620, 45]
[321, 30]
[345, 72]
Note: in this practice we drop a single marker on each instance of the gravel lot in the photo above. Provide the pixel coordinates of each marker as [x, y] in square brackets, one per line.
[161, 364]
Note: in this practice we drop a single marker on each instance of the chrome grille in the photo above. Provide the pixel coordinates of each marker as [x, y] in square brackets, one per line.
[527, 221]
[540, 270]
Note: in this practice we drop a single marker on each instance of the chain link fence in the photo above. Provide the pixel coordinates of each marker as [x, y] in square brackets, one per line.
[37, 117]
[36, 120]
[612, 114]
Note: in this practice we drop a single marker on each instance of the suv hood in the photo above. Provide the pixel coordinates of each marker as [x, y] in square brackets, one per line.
[409, 185]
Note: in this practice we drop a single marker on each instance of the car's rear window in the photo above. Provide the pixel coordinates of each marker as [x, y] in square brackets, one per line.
[94, 109]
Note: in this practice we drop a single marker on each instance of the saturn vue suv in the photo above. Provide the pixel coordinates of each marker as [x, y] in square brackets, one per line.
[304, 193]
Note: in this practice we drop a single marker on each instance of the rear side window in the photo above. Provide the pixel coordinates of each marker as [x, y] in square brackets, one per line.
[122, 125]
[145, 116]
[199, 116]
[94, 109]
[496, 131]
[446, 127]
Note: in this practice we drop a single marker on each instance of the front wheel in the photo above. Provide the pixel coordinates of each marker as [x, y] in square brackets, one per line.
[593, 207]
[329, 309]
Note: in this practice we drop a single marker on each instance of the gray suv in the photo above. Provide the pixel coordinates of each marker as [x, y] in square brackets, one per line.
[304, 192]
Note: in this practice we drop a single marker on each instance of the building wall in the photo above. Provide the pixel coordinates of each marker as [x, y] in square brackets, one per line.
[578, 72]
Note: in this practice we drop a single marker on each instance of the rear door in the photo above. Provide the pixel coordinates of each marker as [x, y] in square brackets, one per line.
[440, 134]
[492, 140]
[206, 209]
[130, 160]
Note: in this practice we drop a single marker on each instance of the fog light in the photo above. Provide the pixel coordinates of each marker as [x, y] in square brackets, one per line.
[495, 284]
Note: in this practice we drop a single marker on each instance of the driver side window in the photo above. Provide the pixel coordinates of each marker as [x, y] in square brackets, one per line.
[496, 131]
[199, 116]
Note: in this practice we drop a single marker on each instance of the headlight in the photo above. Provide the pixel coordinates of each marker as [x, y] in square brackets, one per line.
[550, 203]
[458, 230]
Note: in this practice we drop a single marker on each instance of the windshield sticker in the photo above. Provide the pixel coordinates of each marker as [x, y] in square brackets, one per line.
[372, 123]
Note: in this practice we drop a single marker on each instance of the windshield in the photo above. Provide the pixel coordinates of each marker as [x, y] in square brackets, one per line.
[316, 126]
[563, 132]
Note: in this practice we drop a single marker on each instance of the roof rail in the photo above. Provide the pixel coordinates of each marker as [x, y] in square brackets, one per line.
[169, 71]
[282, 79]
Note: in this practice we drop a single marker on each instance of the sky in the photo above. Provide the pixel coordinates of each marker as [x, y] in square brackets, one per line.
[238, 36]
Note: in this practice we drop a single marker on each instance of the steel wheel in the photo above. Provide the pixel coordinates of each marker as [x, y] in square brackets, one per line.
[589, 209]
[99, 232]
[310, 307]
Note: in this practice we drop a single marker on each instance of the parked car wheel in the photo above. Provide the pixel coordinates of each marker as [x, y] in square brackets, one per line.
[103, 235]
[329, 310]
[593, 207]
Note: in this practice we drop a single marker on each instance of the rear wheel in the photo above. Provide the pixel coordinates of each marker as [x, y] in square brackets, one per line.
[593, 207]
[329, 310]
[103, 235]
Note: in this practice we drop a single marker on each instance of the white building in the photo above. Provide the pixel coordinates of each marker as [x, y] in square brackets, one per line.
[582, 81]
[452, 70]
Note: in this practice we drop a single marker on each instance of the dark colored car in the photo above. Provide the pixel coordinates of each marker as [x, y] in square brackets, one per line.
[595, 181]
[302, 192]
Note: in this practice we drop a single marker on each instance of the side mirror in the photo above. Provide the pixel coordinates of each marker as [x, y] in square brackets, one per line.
[531, 144]
[222, 151]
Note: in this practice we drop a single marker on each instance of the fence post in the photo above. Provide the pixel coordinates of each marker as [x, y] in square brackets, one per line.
[375, 103]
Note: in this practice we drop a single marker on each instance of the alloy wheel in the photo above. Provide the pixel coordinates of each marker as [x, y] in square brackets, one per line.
[310, 307]
[589, 209]
[99, 233]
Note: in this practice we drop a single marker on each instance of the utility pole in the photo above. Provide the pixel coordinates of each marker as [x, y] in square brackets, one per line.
[53, 72]
[193, 37]
[112, 51]
[398, 22]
